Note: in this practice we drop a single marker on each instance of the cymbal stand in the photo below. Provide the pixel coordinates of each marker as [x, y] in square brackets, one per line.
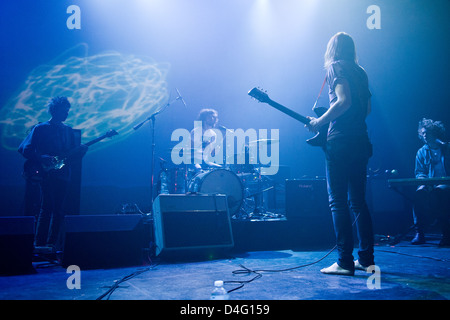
[261, 207]
[152, 118]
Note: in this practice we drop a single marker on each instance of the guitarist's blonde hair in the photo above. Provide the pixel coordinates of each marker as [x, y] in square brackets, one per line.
[340, 47]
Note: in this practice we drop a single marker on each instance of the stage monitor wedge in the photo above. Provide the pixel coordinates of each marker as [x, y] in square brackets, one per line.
[103, 241]
[16, 245]
[192, 225]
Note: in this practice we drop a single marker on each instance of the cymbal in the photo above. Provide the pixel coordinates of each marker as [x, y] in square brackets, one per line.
[213, 165]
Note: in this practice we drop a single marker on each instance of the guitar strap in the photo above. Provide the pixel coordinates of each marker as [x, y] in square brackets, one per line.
[320, 92]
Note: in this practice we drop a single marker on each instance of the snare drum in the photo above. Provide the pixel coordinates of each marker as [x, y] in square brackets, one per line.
[220, 181]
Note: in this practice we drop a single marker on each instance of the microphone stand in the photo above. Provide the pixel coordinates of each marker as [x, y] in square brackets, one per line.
[152, 118]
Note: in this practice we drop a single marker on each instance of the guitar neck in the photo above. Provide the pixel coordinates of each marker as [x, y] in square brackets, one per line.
[289, 112]
[90, 143]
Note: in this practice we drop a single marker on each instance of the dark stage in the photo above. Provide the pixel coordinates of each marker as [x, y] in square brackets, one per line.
[282, 267]
[109, 108]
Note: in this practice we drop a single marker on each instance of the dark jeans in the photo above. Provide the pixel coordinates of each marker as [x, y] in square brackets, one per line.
[51, 215]
[432, 202]
[346, 179]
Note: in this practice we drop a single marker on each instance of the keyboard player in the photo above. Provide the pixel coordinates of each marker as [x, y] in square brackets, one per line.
[432, 201]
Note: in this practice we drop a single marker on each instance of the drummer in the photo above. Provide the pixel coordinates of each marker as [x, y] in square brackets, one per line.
[201, 140]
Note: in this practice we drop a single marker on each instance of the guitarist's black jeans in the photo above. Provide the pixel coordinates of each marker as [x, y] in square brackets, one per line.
[346, 180]
[54, 191]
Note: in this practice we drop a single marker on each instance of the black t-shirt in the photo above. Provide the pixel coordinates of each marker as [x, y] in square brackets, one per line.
[352, 123]
[49, 139]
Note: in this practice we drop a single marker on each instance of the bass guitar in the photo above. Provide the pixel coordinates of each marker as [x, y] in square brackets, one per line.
[35, 170]
[319, 140]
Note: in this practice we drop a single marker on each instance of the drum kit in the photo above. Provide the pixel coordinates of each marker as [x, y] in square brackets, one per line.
[243, 184]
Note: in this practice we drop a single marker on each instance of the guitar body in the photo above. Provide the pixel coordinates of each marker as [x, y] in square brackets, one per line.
[319, 140]
[36, 171]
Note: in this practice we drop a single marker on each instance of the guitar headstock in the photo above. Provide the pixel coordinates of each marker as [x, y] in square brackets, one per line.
[259, 95]
[111, 133]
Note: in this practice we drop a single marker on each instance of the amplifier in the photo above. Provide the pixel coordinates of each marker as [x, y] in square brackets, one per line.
[191, 225]
[306, 198]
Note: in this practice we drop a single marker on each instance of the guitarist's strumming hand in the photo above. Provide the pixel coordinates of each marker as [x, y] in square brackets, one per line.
[314, 124]
[337, 108]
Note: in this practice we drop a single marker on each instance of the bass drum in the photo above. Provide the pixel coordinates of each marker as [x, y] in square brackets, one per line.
[220, 181]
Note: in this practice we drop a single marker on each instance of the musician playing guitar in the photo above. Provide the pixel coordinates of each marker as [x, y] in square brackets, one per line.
[347, 150]
[46, 141]
[432, 161]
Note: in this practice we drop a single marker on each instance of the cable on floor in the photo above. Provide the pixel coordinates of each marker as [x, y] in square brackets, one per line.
[246, 271]
[116, 285]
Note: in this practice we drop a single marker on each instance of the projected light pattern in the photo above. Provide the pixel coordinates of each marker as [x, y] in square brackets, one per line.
[107, 91]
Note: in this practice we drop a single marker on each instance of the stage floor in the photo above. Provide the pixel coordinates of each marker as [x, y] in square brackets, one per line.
[406, 272]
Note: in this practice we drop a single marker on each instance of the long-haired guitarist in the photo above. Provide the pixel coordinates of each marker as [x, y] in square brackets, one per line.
[348, 150]
[47, 141]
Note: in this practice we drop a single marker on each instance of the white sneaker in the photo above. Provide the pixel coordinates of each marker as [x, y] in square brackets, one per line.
[359, 266]
[336, 269]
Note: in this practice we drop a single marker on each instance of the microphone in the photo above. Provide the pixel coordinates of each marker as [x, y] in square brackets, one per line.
[180, 97]
[441, 142]
[138, 125]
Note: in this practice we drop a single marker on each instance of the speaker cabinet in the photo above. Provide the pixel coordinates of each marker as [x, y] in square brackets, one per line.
[191, 225]
[16, 245]
[306, 198]
[103, 241]
[307, 208]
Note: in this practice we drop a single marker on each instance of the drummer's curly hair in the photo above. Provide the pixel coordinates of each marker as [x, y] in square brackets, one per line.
[206, 112]
[435, 127]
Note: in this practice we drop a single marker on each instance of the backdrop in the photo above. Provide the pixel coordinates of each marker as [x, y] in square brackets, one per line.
[121, 61]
